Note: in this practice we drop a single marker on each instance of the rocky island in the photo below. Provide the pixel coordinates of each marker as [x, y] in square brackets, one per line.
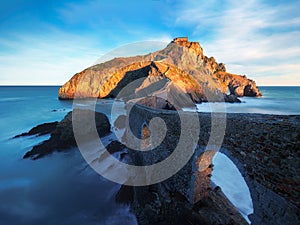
[265, 148]
[181, 66]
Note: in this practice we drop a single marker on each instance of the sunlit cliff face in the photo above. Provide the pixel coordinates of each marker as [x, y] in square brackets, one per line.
[181, 62]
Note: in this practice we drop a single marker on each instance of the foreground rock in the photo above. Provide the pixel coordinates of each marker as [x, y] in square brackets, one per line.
[161, 206]
[264, 148]
[62, 137]
[181, 66]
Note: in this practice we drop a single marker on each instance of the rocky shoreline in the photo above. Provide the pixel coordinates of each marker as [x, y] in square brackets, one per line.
[62, 135]
[265, 148]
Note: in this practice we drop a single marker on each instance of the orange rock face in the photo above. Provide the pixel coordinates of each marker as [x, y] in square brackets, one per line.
[181, 66]
[237, 85]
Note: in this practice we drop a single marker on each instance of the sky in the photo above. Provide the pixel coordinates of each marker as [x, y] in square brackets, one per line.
[47, 42]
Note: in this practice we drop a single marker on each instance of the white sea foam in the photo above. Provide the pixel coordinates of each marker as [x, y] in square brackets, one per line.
[227, 176]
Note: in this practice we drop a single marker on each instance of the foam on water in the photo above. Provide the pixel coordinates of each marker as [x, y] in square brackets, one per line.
[226, 175]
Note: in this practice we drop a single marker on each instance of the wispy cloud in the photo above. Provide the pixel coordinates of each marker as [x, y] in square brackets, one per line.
[45, 59]
[250, 37]
[51, 43]
[117, 22]
[53, 59]
[256, 37]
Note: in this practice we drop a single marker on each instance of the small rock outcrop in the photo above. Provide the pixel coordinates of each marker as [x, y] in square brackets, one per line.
[62, 137]
[39, 130]
[237, 85]
[182, 63]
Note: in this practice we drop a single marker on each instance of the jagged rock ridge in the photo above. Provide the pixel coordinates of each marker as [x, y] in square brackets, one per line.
[181, 64]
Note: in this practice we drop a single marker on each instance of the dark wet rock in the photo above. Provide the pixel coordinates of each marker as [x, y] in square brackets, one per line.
[42, 129]
[156, 204]
[231, 98]
[114, 147]
[62, 137]
[125, 195]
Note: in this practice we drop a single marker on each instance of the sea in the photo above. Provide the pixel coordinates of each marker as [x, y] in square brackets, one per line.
[62, 188]
[275, 100]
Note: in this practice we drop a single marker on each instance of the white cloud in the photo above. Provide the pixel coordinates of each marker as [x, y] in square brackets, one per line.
[136, 48]
[61, 49]
[40, 60]
[54, 59]
[250, 37]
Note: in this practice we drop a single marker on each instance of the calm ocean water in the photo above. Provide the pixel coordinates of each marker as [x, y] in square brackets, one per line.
[61, 189]
[275, 100]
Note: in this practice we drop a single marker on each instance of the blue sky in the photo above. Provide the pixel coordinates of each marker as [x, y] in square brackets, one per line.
[46, 42]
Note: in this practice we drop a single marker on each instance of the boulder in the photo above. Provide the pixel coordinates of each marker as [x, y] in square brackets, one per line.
[62, 137]
[231, 98]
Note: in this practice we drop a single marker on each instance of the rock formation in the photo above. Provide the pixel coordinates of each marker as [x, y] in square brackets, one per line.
[62, 137]
[39, 130]
[181, 64]
[265, 149]
[237, 85]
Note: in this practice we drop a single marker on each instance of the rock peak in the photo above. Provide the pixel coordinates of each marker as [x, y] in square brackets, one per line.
[179, 40]
[195, 47]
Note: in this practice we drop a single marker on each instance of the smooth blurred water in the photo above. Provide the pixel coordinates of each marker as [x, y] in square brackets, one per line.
[60, 189]
[275, 100]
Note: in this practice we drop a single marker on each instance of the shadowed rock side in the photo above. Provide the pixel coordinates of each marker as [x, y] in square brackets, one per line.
[62, 137]
[182, 62]
[161, 206]
[39, 130]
